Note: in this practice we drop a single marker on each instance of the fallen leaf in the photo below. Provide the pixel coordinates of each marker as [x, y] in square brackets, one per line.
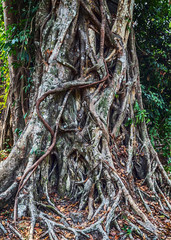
[3, 223]
[91, 238]
[69, 236]
[38, 230]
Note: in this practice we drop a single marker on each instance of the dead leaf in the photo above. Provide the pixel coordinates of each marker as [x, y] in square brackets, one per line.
[3, 223]
[38, 230]
[116, 237]
[18, 178]
[69, 236]
[91, 238]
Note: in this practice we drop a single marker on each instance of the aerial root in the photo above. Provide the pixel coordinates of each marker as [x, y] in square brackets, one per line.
[52, 205]
[90, 202]
[33, 213]
[86, 191]
[7, 194]
[104, 201]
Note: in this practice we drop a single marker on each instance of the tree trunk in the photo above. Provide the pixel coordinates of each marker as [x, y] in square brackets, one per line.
[14, 112]
[86, 136]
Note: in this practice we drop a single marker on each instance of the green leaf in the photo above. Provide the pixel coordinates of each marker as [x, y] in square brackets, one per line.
[25, 116]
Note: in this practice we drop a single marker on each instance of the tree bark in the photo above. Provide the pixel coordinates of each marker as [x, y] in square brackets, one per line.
[84, 134]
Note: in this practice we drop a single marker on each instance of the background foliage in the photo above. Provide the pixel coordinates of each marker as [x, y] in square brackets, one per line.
[152, 29]
[4, 71]
[17, 40]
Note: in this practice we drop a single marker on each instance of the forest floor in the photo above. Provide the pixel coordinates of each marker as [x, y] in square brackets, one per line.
[78, 220]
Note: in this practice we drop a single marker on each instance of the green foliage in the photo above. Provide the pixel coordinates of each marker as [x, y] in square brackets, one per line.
[129, 122]
[4, 71]
[18, 131]
[153, 47]
[140, 114]
[17, 40]
[127, 229]
[168, 167]
[7, 146]
[37, 152]
[4, 154]
[19, 35]
[27, 87]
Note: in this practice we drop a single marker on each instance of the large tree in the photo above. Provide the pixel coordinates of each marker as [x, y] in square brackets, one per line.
[85, 133]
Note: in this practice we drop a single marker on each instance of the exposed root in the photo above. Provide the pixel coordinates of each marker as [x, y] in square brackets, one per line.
[90, 203]
[33, 213]
[51, 224]
[15, 231]
[163, 196]
[147, 224]
[145, 204]
[6, 195]
[3, 228]
[110, 215]
[100, 208]
[136, 229]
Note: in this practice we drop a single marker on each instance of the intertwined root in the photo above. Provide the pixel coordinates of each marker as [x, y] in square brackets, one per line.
[112, 202]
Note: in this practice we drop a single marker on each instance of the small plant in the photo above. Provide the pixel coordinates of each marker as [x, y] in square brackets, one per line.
[37, 152]
[7, 146]
[129, 122]
[140, 115]
[168, 167]
[127, 229]
[18, 131]
[28, 85]
[4, 154]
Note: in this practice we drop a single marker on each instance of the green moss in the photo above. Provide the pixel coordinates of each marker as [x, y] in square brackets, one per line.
[118, 68]
[103, 105]
[59, 143]
[62, 187]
